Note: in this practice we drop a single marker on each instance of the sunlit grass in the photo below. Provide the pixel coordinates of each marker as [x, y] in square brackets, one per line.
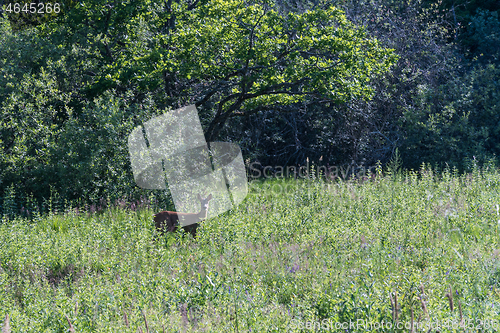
[295, 251]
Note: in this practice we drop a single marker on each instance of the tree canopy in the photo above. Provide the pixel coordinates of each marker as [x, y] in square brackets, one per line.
[341, 80]
[231, 58]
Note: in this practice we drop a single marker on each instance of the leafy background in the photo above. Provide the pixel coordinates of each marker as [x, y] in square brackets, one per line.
[288, 81]
[391, 84]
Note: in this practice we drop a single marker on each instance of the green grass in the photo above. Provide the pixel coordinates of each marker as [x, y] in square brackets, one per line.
[280, 261]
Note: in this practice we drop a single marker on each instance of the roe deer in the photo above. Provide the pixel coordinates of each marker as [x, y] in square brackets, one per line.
[169, 221]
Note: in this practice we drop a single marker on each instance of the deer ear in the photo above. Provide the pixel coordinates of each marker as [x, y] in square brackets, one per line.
[209, 197]
[199, 196]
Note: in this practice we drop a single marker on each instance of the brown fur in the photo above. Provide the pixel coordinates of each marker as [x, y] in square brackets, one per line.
[167, 221]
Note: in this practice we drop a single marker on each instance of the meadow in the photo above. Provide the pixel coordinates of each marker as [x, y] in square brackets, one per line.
[414, 251]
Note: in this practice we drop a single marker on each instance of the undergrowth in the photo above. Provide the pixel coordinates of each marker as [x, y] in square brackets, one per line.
[414, 248]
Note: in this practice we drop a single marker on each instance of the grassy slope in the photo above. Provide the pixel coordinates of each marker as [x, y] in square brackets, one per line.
[282, 258]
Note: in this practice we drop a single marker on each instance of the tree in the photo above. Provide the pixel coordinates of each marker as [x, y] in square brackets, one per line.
[230, 57]
[75, 85]
[240, 58]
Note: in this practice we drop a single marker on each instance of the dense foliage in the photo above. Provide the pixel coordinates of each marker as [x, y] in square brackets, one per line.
[343, 83]
[75, 86]
[287, 80]
[419, 249]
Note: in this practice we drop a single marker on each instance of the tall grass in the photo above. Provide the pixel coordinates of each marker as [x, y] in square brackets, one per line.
[410, 248]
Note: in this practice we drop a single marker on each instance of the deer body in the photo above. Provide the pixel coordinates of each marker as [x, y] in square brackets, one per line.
[170, 221]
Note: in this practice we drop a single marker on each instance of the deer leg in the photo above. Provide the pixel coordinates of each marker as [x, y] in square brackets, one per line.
[191, 229]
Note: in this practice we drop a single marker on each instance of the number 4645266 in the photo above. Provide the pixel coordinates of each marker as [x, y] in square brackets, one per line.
[33, 8]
